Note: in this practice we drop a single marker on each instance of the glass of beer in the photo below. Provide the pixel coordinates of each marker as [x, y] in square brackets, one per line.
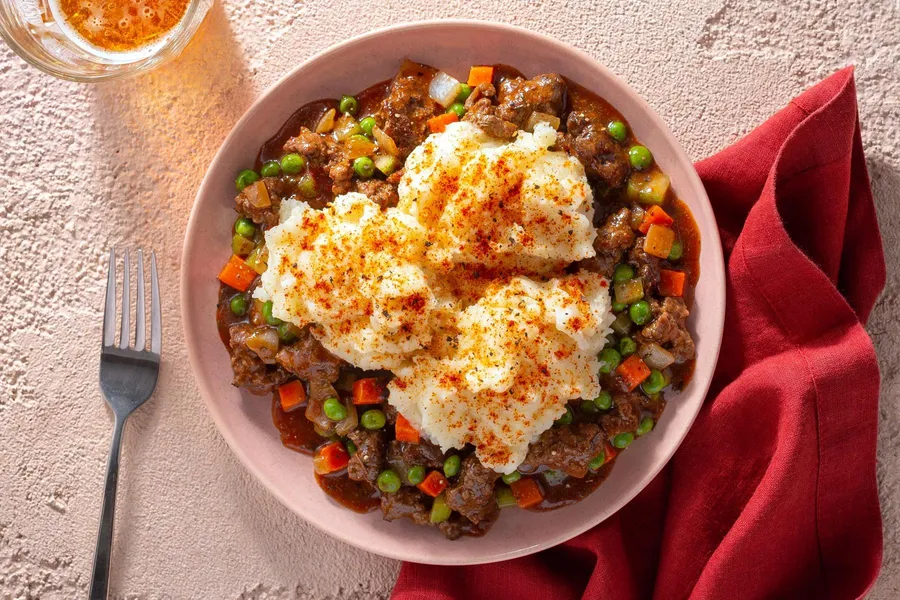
[97, 40]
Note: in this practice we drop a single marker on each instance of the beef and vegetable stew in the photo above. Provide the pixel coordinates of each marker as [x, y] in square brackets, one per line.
[369, 456]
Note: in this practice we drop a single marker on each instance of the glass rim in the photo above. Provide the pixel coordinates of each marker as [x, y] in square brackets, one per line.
[179, 38]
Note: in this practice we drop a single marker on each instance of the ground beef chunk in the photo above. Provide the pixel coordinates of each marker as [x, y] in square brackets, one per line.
[668, 329]
[587, 140]
[518, 98]
[380, 192]
[406, 503]
[569, 448]
[309, 360]
[309, 144]
[250, 371]
[646, 266]
[402, 456]
[457, 525]
[406, 109]
[473, 494]
[340, 172]
[268, 216]
[368, 460]
[614, 237]
[626, 415]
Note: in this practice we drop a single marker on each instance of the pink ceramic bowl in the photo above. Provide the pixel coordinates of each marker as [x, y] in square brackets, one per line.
[245, 420]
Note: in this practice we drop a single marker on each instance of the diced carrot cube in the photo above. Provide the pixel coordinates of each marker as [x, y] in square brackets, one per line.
[404, 431]
[479, 75]
[292, 395]
[439, 123]
[330, 458]
[655, 216]
[671, 283]
[367, 391]
[526, 492]
[237, 274]
[434, 484]
[633, 371]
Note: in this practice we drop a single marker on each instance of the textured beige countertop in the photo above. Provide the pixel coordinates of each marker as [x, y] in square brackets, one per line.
[86, 167]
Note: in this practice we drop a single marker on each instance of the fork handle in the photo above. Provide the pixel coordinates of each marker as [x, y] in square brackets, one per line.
[100, 574]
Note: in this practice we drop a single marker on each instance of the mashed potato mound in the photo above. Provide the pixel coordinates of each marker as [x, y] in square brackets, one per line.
[459, 290]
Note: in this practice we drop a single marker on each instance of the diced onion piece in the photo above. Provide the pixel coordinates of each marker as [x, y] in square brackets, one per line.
[656, 356]
[385, 142]
[348, 423]
[386, 164]
[648, 187]
[539, 117]
[326, 123]
[359, 145]
[257, 195]
[346, 126]
[444, 89]
[637, 217]
[629, 292]
[258, 259]
[622, 324]
[263, 340]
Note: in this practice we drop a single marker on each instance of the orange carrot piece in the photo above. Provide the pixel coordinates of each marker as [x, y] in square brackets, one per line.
[479, 75]
[610, 452]
[526, 492]
[434, 484]
[439, 123]
[237, 274]
[655, 216]
[330, 458]
[633, 371]
[404, 431]
[659, 241]
[366, 391]
[671, 283]
[291, 395]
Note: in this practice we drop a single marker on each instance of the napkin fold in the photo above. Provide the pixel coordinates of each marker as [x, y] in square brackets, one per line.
[773, 492]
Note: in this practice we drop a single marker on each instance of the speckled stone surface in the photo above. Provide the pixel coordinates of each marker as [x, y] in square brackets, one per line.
[88, 167]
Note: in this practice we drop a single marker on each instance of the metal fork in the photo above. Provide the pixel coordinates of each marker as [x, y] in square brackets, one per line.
[127, 378]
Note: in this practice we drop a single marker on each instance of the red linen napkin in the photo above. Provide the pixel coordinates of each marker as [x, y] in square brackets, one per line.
[772, 493]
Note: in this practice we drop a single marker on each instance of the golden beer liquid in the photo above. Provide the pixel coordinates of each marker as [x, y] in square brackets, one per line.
[122, 25]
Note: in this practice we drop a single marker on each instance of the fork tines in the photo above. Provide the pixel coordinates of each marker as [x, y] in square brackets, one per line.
[109, 313]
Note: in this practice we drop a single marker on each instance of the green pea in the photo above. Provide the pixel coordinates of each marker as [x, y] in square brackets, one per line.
[640, 157]
[367, 125]
[239, 305]
[597, 462]
[610, 359]
[245, 227]
[351, 447]
[603, 400]
[654, 383]
[588, 407]
[457, 108]
[640, 312]
[267, 314]
[287, 333]
[270, 169]
[348, 105]
[619, 306]
[307, 186]
[566, 418]
[440, 512]
[623, 440]
[465, 90]
[452, 465]
[245, 178]
[416, 474]
[677, 250]
[388, 481]
[623, 273]
[373, 419]
[334, 410]
[645, 427]
[292, 163]
[364, 167]
[511, 477]
[617, 130]
[505, 498]
[627, 346]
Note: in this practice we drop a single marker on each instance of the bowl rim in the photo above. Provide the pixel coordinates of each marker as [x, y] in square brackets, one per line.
[711, 242]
